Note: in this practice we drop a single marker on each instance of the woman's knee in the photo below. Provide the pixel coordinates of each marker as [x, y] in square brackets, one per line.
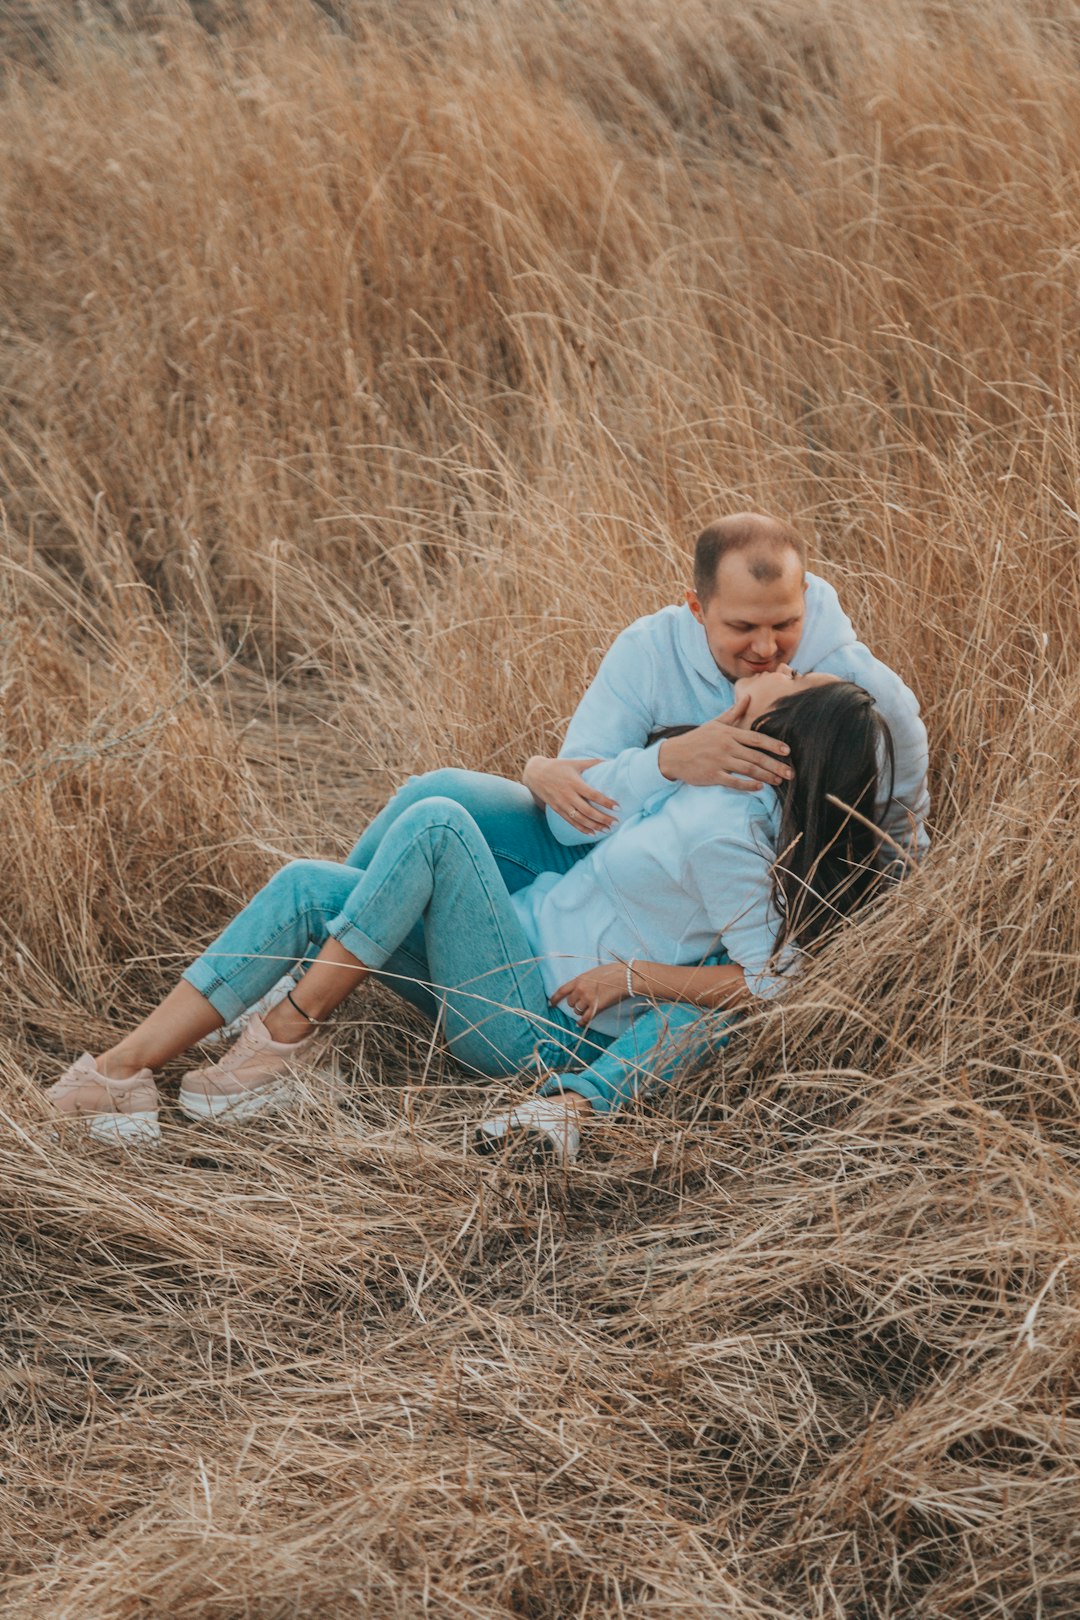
[435, 813]
[305, 883]
[488, 799]
[448, 783]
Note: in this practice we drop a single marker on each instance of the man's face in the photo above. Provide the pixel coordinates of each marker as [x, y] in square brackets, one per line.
[752, 626]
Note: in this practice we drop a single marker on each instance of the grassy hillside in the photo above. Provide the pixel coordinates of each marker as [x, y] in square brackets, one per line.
[363, 368]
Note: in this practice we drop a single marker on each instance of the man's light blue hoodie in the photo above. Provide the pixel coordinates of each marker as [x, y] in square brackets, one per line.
[659, 672]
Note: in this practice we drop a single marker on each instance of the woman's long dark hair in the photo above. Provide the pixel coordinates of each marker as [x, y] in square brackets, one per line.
[842, 753]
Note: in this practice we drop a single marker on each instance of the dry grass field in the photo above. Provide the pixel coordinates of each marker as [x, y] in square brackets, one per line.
[363, 369]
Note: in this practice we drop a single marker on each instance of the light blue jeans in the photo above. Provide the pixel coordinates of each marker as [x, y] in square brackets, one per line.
[514, 829]
[424, 901]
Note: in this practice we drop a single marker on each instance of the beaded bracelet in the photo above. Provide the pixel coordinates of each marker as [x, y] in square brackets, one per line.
[630, 976]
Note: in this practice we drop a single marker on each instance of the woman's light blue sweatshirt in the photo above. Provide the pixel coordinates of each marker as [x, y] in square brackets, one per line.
[683, 876]
[659, 672]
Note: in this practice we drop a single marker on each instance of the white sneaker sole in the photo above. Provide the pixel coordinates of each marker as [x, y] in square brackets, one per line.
[528, 1141]
[241, 1106]
[125, 1130]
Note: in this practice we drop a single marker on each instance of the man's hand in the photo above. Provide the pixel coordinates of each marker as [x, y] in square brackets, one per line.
[721, 753]
[560, 785]
[592, 991]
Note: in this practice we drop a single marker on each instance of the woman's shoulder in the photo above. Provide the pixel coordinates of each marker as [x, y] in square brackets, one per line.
[720, 813]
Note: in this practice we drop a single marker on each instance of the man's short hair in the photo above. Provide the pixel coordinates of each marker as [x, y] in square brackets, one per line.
[763, 538]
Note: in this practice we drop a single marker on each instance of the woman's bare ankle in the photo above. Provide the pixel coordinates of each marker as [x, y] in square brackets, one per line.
[117, 1064]
[285, 1025]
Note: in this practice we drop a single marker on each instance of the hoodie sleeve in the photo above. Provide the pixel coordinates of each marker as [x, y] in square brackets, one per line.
[904, 817]
[733, 877]
[613, 721]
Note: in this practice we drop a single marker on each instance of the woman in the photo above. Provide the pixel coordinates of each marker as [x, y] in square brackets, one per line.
[699, 901]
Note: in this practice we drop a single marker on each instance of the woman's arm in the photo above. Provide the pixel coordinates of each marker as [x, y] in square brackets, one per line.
[708, 986]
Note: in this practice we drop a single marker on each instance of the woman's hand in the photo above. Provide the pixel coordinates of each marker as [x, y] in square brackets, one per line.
[592, 991]
[560, 786]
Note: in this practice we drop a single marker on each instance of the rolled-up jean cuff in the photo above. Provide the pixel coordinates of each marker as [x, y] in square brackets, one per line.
[583, 1087]
[361, 945]
[206, 979]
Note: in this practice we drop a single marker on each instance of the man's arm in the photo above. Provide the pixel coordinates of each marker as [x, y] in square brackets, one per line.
[558, 785]
[612, 725]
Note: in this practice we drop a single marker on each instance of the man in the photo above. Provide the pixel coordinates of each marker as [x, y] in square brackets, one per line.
[752, 610]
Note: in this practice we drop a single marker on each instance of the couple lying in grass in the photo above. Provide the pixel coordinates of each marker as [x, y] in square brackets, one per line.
[717, 807]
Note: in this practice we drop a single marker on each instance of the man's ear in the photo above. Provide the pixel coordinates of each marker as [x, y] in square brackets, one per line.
[693, 602]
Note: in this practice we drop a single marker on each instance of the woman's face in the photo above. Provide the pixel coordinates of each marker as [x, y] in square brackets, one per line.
[767, 689]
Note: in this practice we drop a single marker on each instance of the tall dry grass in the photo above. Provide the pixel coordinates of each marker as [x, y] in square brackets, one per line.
[365, 367]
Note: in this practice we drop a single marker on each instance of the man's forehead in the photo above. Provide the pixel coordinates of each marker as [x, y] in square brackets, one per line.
[750, 602]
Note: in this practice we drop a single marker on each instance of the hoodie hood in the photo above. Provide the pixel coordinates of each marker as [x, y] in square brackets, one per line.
[826, 628]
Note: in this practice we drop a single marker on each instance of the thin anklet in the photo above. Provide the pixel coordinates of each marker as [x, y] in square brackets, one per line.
[316, 1022]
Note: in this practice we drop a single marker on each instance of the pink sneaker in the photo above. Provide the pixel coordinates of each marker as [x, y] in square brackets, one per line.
[252, 1078]
[117, 1111]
